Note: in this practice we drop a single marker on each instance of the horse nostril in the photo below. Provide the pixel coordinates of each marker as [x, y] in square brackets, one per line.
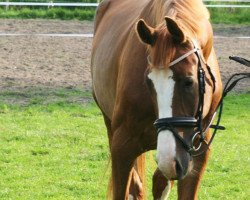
[178, 168]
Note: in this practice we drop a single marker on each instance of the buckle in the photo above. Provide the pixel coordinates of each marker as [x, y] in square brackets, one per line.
[193, 147]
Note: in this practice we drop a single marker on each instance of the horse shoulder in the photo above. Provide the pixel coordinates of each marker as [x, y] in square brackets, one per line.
[206, 38]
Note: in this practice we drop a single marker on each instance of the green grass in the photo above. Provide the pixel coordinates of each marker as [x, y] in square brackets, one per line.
[55, 150]
[53, 145]
[218, 15]
[227, 175]
[52, 13]
[230, 15]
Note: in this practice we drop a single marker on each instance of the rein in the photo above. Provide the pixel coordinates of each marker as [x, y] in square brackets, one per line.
[196, 122]
[230, 84]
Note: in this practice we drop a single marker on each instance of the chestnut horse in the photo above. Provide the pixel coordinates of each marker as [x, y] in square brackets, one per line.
[154, 59]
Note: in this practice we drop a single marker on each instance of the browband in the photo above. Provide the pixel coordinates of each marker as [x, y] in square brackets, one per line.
[196, 49]
[183, 56]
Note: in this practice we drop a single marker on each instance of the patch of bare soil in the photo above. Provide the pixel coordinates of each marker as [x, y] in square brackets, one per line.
[42, 61]
[231, 30]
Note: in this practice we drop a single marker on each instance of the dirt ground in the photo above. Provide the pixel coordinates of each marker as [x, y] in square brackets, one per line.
[42, 61]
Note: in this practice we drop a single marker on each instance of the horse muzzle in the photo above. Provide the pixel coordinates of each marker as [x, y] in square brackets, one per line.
[173, 160]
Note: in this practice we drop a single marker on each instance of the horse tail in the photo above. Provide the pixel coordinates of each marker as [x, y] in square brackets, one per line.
[140, 169]
[110, 189]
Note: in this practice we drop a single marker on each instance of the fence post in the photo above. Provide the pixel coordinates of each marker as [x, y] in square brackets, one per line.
[7, 5]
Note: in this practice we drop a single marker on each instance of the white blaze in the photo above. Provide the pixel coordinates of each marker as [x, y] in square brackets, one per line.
[166, 146]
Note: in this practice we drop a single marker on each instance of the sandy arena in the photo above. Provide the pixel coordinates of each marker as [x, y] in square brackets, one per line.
[48, 61]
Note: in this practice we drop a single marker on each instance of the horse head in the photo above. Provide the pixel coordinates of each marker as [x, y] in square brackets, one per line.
[181, 86]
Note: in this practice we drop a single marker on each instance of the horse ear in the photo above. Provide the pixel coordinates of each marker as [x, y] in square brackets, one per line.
[146, 33]
[175, 30]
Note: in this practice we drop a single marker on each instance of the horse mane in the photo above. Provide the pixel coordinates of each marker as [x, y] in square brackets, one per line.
[189, 14]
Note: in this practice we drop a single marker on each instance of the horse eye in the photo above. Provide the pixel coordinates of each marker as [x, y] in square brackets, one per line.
[188, 82]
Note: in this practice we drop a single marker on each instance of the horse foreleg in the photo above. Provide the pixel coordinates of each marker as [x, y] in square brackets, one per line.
[161, 186]
[123, 152]
[188, 187]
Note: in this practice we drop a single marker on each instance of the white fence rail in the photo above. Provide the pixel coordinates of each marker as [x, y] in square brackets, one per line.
[52, 4]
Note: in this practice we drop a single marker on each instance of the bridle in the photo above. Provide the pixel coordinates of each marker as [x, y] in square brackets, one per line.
[171, 123]
[199, 134]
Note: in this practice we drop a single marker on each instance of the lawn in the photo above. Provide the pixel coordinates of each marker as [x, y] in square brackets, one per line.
[218, 15]
[53, 145]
